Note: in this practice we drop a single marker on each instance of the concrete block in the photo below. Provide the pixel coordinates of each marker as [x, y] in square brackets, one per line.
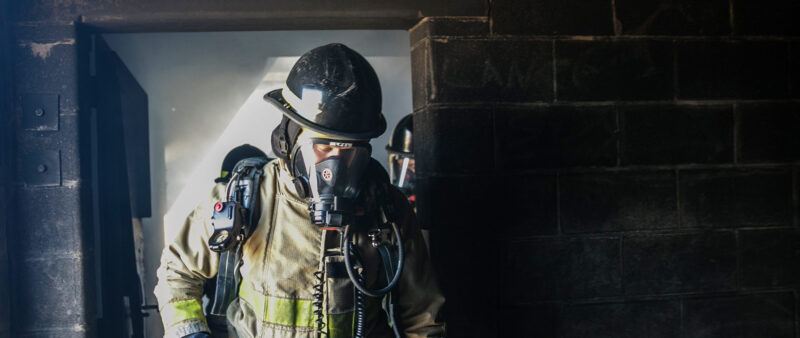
[673, 17]
[48, 222]
[75, 332]
[561, 268]
[673, 263]
[621, 320]
[67, 141]
[46, 62]
[771, 17]
[618, 201]
[445, 135]
[770, 257]
[794, 69]
[555, 137]
[552, 17]
[420, 68]
[759, 315]
[478, 70]
[458, 253]
[735, 198]
[768, 131]
[442, 27]
[676, 134]
[732, 69]
[528, 204]
[614, 70]
[462, 203]
[539, 320]
[509, 206]
[51, 294]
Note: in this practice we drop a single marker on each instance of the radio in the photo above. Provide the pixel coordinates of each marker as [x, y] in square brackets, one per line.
[228, 225]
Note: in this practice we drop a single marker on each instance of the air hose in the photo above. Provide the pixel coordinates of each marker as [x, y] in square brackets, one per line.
[386, 257]
[360, 285]
[361, 316]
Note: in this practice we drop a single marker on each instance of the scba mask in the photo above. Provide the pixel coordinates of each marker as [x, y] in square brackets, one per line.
[329, 172]
[402, 173]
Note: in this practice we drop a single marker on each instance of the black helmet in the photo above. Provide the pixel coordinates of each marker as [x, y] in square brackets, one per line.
[334, 91]
[234, 156]
[402, 141]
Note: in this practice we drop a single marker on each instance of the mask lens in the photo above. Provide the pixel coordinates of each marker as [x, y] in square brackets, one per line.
[401, 169]
[323, 151]
[335, 168]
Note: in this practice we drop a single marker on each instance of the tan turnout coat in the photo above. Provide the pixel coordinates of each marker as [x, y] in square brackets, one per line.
[277, 273]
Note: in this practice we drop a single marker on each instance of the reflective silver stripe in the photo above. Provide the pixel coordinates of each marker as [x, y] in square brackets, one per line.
[308, 107]
[187, 328]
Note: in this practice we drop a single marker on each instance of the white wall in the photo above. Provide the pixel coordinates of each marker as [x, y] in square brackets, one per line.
[204, 92]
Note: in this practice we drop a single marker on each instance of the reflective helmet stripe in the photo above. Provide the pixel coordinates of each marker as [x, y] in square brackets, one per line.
[307, 107]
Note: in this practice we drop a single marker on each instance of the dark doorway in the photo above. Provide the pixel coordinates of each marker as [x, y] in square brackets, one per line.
[121, 190]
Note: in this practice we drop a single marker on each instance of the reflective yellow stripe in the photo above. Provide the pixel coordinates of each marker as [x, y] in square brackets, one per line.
[176, 312]
[289, 312]
[300, 313]
[253, 298]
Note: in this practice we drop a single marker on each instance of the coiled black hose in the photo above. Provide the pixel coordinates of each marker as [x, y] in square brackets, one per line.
[349, 266]
[318, 297]
[361, 317]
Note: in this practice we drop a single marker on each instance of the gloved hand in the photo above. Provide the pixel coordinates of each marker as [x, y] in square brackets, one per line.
[198, 335]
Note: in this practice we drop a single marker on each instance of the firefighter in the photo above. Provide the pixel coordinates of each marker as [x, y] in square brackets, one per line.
[402, 167]
[332, 239]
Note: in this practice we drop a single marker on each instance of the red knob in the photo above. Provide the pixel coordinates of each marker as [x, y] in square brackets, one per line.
[218, 207]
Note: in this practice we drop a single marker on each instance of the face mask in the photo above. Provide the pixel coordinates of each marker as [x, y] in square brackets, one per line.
[402, 173]
[329, 173]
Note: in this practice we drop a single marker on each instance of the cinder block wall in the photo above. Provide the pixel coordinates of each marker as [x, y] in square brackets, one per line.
[50, 258]
[5, 157]
[613, 168]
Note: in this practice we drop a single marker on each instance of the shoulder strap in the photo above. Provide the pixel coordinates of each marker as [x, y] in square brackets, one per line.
[248, 172]
[257, 162]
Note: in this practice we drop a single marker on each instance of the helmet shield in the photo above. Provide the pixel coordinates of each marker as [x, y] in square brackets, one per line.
[402, 172]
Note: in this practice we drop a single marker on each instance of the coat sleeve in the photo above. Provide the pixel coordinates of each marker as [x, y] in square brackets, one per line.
[186, 263]
[419, 297]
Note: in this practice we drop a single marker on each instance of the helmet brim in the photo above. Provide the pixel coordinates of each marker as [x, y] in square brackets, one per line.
[276, 98]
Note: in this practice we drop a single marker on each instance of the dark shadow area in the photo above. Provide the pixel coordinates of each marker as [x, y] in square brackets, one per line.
[605, 169]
